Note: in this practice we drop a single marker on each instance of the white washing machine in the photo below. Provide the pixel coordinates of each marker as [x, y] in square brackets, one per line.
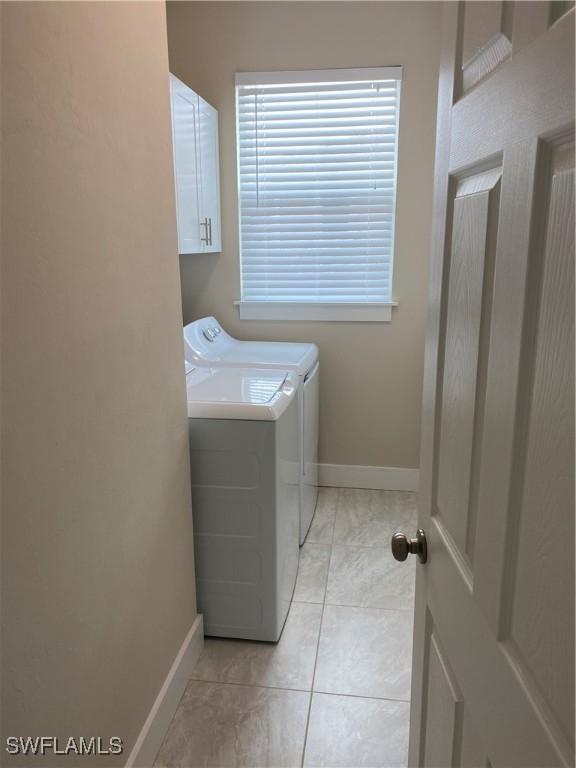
[245, 467]
[207, 344]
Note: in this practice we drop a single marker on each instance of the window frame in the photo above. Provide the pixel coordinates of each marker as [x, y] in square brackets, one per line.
[315, 310]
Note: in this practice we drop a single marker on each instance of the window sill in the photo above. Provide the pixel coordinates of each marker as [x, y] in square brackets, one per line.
[361, 312]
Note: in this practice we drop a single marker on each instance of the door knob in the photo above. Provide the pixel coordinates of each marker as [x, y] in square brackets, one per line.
[402, 546]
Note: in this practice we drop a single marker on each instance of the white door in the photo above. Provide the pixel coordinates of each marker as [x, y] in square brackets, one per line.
[186, 165]
[493, 680]
[210, 178]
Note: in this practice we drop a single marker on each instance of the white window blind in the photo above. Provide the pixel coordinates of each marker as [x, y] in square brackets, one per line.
[317, 158]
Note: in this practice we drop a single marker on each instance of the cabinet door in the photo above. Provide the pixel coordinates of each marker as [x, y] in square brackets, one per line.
[185, 130]
[209, 205]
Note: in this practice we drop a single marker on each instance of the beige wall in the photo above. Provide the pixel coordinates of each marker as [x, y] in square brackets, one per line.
[98, 588]
[371, 373]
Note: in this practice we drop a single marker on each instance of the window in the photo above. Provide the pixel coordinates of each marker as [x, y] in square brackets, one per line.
[317, 158]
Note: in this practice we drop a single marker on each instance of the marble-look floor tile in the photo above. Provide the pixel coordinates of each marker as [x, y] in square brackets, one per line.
[365, 652]
[312, 573]
[369, 518]
[352, 732]
[369, 577]
[235, 725]
[289, 663]
[322, 526]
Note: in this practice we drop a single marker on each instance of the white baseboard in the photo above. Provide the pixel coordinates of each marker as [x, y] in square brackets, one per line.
[154, 729]
[377, 478]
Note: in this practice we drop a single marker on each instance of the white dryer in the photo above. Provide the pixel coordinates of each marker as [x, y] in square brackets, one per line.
[207, 344]
[245, 467]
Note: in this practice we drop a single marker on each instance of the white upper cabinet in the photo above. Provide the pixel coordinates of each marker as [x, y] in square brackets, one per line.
[209, 173]
[196, 170]
[186, 165]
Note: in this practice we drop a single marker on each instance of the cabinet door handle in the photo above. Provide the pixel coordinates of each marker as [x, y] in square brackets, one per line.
[210, 231]
[206, 239]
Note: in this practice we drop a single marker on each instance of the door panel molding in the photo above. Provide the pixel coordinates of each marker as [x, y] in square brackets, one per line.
[443, 738]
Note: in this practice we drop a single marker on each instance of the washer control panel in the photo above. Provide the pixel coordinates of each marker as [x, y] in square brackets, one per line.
[210, 333]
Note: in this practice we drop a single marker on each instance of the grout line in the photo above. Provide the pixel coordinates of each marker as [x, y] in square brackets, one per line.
[297, 690]
[361, 696]
[320, 629]
[353, 605]
[250, 685]
[308, 602]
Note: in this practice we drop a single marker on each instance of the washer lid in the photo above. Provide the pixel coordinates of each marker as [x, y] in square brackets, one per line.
[236, 393]
[206, 343]
[272, 354]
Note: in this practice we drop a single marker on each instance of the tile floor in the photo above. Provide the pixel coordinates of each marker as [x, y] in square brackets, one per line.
[334, 691]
